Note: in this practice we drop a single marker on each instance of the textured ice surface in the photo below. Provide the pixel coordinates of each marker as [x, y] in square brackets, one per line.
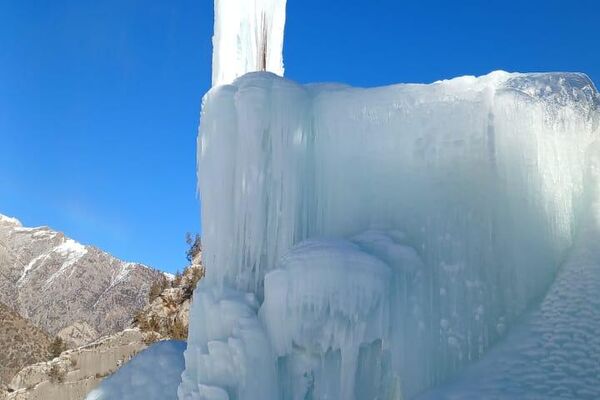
[231, 352]
[154, 374]
[555, 352]
[370, 243]
[327, 299]
[248, 37]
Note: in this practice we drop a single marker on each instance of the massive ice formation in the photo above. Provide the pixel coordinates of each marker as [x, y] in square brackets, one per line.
[248, 37]
[368, 243]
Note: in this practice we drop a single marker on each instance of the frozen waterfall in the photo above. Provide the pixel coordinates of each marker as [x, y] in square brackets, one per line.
[369, 243]
[248, 37]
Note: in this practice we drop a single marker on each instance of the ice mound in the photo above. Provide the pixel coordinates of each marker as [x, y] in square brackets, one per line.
[327, 299]
[235, 355]
[370, 243]
[154, 374]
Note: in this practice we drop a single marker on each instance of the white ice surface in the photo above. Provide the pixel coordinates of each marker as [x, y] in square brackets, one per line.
[248, 37]
[370, 243]
[234, 355]
[154, 374]
[554, 352]
[328, 296]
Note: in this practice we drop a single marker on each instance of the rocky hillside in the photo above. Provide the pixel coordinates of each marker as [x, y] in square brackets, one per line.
[170, 300]
[64, 287]
[21, 344]
[72, 375]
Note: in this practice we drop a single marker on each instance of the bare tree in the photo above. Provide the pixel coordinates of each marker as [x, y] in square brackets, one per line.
[57, 346]
[195, 244]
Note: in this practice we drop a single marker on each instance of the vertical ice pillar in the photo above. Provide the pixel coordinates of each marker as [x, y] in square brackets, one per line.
[248, 37]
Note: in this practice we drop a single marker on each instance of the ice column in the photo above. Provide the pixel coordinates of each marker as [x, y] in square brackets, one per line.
[248, 37]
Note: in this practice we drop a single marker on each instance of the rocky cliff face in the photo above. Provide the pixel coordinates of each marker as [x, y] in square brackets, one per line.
[77, 334]
[64, 287]
[21, 344]
[168, 312]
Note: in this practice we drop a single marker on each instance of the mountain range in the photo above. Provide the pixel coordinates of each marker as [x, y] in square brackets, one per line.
[64, 288]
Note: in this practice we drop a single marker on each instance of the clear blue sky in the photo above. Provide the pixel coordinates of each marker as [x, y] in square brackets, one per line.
[99, 100]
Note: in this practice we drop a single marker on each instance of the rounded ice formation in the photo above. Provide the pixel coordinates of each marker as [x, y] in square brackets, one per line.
[326, 300]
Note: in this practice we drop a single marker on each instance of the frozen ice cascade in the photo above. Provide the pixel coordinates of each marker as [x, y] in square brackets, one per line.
[248, 37]
[370, 243]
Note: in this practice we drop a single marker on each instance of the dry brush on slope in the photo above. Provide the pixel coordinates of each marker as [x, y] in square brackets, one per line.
[22, 343]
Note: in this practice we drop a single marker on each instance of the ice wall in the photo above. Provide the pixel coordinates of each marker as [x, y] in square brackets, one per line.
[553, 352]
[367, 243]
[248, 37]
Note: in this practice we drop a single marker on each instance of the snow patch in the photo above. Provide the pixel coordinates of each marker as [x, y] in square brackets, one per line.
[123, 273]
[9, 220]
[30, 266]
[43, 233]
[169, 275]
[72, 251]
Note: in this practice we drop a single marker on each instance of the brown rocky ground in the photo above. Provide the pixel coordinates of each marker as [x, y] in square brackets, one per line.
[22, 344]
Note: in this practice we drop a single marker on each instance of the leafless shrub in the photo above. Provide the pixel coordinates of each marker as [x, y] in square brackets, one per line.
[56, 374]
[157, 288]
[56, 348]
[177, 330]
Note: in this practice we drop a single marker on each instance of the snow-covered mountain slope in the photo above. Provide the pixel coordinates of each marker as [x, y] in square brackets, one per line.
[55, 282]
